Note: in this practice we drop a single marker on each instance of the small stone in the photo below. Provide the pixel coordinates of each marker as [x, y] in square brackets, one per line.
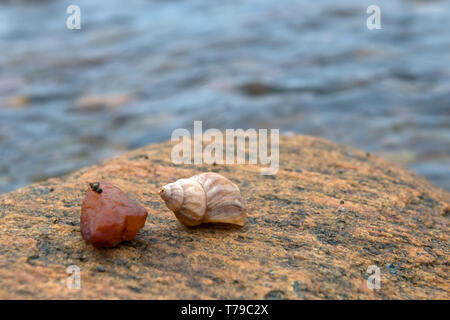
[110, 216]
[94, 186]
[275, 295]
[392, 268]
[342, 202]
[100, 269]
[446, 212]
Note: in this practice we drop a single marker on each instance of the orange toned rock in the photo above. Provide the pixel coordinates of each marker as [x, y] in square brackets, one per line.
[109, 216]
[299, 240]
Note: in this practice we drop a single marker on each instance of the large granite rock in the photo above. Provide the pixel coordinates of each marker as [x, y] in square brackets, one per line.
[300, 241]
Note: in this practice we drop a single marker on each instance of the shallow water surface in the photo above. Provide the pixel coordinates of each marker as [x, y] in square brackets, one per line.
[139, 69]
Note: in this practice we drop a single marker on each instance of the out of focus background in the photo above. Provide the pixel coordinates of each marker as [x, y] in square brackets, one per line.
[138, 69]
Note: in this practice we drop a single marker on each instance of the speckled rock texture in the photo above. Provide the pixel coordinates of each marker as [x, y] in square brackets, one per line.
[300, 241]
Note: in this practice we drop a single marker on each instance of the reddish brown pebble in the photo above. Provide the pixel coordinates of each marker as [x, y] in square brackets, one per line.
[109, 216]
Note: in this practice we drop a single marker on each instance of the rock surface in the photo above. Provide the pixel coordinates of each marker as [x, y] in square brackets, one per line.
[312, 232]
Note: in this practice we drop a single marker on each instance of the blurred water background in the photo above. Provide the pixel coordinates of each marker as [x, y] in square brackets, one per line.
[140, 68]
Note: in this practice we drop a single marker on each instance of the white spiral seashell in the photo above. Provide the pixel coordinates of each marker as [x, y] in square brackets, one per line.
[205, 198]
